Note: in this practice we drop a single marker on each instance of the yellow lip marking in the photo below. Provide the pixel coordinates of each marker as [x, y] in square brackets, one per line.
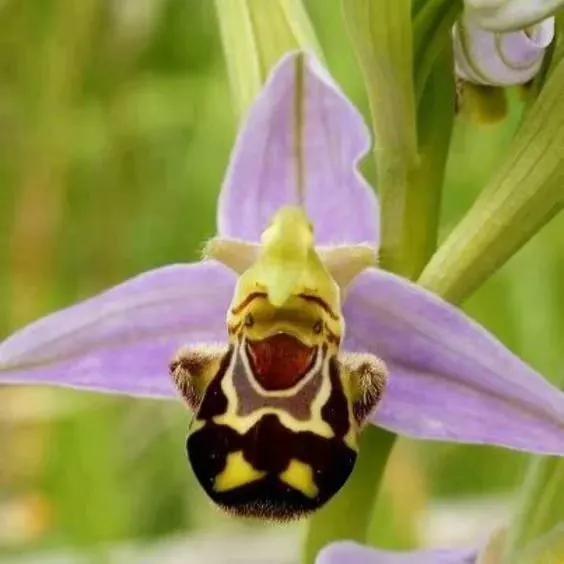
[287, 265]
[237, 472]
[300, 476]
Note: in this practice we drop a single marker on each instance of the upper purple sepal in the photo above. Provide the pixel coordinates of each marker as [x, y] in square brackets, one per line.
[301, 144]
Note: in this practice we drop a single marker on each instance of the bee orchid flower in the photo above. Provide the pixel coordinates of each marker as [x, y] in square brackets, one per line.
[287, 339]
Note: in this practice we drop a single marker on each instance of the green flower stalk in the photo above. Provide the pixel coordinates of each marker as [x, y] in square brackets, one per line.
[255, 35]
[411, 92]
[432, 22]
[386, 60]
[541, 510]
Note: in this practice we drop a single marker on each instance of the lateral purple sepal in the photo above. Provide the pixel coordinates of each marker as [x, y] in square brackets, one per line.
[449, 378]
[122, 340]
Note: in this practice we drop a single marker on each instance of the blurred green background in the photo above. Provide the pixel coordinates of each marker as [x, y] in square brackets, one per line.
[115, 131]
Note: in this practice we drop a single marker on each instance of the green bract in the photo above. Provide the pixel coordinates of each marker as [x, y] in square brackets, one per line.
[526, 191]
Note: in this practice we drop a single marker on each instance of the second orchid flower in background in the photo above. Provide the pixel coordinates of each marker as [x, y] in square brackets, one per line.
[503, 42]
[494, 58]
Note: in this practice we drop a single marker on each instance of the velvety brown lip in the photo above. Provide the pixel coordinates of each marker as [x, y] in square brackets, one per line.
[280, 361]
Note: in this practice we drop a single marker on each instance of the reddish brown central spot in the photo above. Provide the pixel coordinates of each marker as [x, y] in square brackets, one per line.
[281, 361]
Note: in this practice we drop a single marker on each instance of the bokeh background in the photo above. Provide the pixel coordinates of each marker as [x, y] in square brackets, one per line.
[115, 131]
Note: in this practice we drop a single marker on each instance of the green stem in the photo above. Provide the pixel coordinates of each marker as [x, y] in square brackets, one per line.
[381, 33]
[241, 53]
[410, 153]
[542, 506]
[431, 27]
[435, 122]
[348, 514]
[255, 34]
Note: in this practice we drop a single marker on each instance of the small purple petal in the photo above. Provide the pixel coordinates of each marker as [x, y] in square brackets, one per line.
[122, 340]
[449, 378]
[353, 553]
[301, 144]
